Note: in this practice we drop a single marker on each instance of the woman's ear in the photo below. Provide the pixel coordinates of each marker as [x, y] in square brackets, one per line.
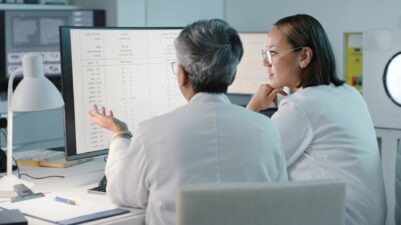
[232, 79]
[306, 57]
[183, 78]
[185, 84]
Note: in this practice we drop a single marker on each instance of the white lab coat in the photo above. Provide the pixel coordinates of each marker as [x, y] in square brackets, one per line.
[208, 140]
[327, 132]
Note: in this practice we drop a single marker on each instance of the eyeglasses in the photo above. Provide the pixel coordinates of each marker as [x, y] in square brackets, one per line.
[269, 55]
[174, 67]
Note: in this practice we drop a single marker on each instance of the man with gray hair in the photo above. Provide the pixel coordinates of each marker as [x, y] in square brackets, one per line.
[207, 141]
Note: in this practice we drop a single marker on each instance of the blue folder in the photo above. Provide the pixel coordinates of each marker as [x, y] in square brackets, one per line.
[94, 216]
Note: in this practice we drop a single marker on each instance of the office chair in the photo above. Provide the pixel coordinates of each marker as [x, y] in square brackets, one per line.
[397, 210]
[292, 203]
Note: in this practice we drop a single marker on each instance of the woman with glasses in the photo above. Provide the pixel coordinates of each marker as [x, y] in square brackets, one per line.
[325, 126]
[208, 140]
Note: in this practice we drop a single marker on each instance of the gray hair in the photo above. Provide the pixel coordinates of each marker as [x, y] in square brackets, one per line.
[209, 51]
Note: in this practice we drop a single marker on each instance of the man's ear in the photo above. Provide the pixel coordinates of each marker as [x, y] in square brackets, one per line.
[306, 57]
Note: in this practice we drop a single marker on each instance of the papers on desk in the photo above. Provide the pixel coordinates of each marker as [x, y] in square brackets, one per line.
[48, 209]
[47, 158]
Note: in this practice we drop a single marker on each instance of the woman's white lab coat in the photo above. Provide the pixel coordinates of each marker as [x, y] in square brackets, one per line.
[327, 132]
[208, 140]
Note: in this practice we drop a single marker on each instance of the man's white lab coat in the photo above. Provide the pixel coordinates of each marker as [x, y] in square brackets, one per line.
[208, 140]
[327, 132]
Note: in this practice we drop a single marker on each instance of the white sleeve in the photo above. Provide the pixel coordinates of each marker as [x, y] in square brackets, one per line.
[126, 172]
[295, 130]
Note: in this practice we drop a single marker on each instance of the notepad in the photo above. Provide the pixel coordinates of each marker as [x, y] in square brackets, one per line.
[48, 209]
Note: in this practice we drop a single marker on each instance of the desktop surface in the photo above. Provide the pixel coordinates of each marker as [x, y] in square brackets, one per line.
[78, 179]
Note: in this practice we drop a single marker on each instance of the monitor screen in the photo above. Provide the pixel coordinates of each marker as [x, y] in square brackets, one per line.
[250, 71]
[24, 31]
[127, 70]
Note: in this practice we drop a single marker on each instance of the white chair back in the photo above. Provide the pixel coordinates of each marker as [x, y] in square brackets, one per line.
[292, 203]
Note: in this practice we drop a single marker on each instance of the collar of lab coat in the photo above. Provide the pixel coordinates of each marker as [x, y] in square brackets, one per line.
[202, 97]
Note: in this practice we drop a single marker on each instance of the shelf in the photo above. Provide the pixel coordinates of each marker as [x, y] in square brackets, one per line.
[36, 6]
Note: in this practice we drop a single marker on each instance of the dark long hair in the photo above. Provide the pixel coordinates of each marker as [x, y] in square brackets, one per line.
[305, 31]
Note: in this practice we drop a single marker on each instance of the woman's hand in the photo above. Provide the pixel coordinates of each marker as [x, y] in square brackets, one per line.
[265, 95]
[106, 120]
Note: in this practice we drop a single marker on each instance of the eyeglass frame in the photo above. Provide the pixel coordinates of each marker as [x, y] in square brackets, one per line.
[174, 67]
[269, 58]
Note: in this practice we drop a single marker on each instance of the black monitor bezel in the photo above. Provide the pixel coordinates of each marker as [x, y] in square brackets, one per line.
[99, 20]
[67, 88]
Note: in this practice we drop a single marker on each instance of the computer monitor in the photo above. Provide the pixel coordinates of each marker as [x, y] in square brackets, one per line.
[24, 31]
[127, 70]
[250, 72]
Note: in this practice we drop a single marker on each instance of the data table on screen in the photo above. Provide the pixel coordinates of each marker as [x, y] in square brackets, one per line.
[127, 71]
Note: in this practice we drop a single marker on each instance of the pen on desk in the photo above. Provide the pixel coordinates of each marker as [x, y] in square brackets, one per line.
[65, 200]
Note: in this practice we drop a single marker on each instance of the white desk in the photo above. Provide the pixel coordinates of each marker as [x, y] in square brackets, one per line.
[78, 179]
